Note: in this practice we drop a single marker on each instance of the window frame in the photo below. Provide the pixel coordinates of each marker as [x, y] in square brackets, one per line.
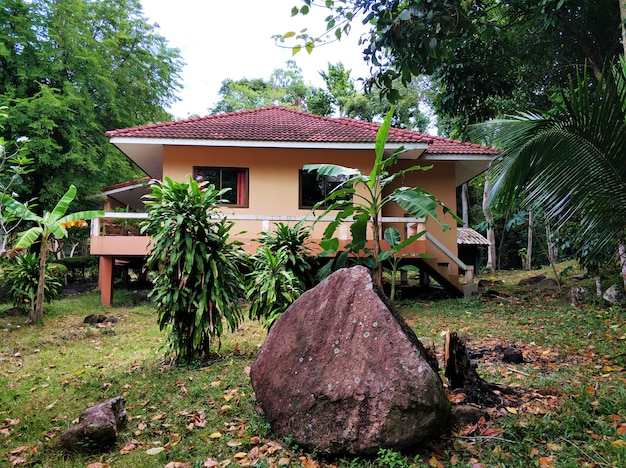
[246, 182]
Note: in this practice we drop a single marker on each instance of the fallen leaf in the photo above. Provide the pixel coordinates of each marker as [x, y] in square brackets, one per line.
[176, 464]
[97, 465]
[155, 450]
[434, 462]
[215, 435]
[209, 463]
[546, 462]
[159, 417]
[129, 447]
[20, 449]
[619, 443]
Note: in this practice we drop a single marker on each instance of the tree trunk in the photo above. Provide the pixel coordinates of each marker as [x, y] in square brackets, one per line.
[598, 285]
[622, 260]
[378, 273]
[622, 12]
[37, 312]
[465, 204]
[491, 237]
[529, 245]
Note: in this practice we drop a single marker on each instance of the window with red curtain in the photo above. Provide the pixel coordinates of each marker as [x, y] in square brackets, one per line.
[232, 178]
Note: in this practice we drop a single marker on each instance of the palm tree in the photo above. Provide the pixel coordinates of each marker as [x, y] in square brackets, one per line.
[50, 224]
[570, 162]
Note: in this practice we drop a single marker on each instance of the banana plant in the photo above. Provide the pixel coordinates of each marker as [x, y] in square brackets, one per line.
[50, 224]
[361, 199]
[396, 244]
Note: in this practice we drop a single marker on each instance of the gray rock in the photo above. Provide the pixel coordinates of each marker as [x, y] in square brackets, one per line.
[97, 428]
[576, 296]
[341, 372]
[614, 295]
[531, 280]
[547, 283]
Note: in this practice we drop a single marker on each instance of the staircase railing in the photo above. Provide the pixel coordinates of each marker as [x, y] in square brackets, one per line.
[469, 269]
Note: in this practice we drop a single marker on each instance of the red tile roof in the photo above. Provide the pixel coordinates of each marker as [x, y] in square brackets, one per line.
[468, 236]
[280, 124]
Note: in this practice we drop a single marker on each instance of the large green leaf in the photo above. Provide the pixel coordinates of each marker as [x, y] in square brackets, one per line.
[27, 238]
[381, 142]
[570, 163]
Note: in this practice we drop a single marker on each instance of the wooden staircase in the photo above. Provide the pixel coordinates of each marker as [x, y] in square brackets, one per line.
[440, 272]
[439, 269]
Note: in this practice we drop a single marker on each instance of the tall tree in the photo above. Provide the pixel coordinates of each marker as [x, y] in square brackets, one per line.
[570, 163]
[69, 71]
[340, 85]
[487, 57]
[285, 87]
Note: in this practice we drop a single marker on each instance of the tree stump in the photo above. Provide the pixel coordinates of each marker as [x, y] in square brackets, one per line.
[462, 376]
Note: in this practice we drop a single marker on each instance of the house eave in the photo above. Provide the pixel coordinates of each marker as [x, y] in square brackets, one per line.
[147, 153]
[467, 165]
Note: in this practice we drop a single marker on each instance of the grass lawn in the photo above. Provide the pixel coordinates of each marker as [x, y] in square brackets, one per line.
[573, 413]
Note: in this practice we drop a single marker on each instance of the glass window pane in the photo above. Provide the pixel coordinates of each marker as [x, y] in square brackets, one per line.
[229, 181]
[311, 189]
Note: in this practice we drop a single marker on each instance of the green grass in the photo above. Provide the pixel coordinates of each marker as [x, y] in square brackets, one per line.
[574, 413]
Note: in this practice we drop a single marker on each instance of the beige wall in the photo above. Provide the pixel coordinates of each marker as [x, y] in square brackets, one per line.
[273, 179]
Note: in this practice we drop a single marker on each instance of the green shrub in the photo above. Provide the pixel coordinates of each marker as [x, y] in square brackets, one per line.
[21, 278]
[293, 241]
[272, 286]
[80, 267]
[198, 283]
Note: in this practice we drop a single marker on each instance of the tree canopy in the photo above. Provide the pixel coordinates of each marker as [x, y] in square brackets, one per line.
[285, 87]
[569, 163]
[486, 57]
[71, 70]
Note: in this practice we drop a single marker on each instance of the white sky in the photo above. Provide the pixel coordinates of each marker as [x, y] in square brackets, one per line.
[233, 39]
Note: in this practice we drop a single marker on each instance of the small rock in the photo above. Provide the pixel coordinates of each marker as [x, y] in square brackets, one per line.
[547, 282]
[512, 356]
[97, 428]
[531, 281]
[613, 296]
[576, 296]
[463, 415]
[95, 318]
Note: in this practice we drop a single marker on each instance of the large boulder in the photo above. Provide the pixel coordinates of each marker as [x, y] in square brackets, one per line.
[97, 428]
[342, 372]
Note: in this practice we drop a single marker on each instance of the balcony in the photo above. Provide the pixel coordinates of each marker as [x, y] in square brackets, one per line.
[115, 237]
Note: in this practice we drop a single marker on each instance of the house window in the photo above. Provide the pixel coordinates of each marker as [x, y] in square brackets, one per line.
[314, 188]
[233, 178]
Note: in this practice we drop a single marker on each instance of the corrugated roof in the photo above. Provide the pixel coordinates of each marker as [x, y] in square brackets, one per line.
[467, 236]
[281, 124]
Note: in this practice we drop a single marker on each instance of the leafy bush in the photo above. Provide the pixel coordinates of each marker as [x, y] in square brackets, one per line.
[272, 286]
[293, 241]
[80, 267]
[198, 282]
[21, 278]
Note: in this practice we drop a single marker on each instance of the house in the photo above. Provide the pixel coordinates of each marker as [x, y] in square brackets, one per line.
[259, 155]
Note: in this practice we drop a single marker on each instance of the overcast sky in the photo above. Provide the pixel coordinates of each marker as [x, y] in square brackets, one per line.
[233, 39]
